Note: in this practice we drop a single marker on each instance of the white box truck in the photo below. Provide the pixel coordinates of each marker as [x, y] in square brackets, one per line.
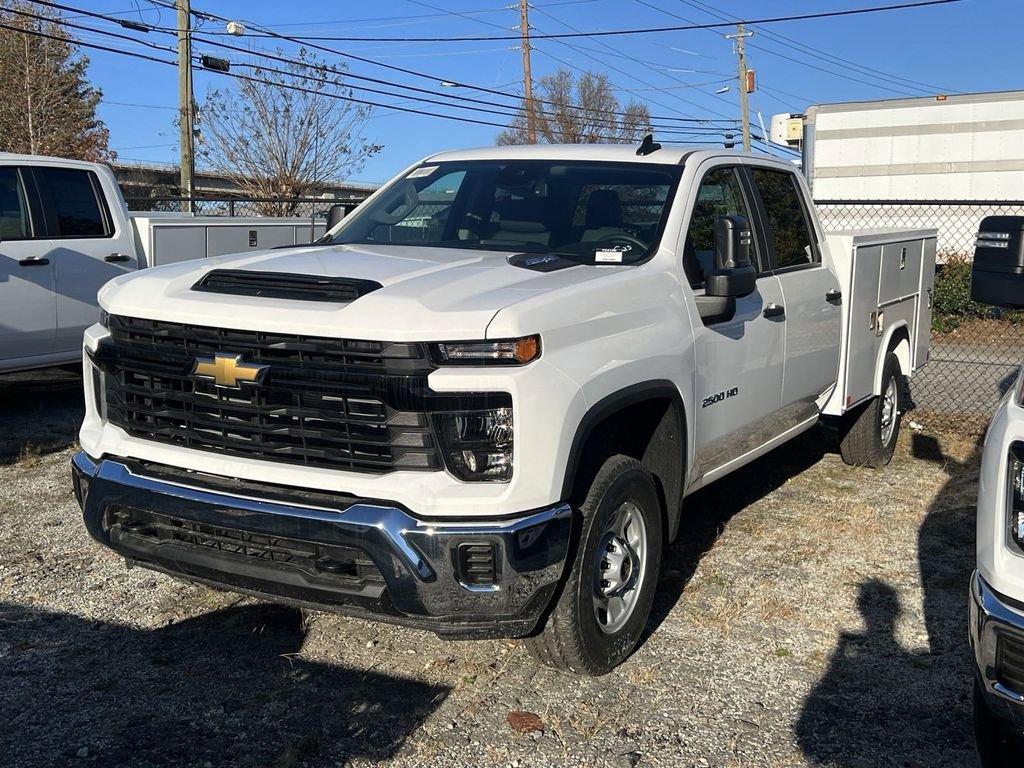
[484, 418]
[949, 149]
[65, 231]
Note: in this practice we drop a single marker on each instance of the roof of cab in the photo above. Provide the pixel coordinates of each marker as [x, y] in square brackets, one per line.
[8, 158]
[621, 153]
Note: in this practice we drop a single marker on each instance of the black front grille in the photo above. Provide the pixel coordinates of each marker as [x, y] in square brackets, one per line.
[358, 405]
[1010, 662]
[326, 561]
[278, 285]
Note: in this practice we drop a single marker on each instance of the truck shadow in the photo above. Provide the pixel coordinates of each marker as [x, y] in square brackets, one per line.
[40, 412]
[225, 688]
[706, 512]
[879, 704]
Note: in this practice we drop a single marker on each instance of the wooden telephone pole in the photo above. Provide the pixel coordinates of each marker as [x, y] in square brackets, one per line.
[741, 57]
[524, 29]
[185, 116]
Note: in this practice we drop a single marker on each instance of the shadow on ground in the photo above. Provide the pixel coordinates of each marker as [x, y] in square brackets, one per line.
[40, 412]
[707, 511]
[872, 683]
[222, 689]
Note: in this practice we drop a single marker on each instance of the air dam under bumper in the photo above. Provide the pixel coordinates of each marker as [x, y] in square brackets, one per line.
[490, 578]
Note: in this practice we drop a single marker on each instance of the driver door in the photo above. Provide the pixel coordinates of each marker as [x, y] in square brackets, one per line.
[738, 371]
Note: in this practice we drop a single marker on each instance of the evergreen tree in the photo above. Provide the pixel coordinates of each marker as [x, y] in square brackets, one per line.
[47, 105]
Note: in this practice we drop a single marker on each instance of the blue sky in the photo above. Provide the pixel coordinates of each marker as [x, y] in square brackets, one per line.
[958, 47]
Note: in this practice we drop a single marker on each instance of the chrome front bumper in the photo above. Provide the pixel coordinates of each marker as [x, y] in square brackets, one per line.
[422, 579]
[990, 618]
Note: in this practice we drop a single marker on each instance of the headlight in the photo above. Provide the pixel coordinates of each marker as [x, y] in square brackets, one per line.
[500, 352]
[477, 445]
[1016, 494]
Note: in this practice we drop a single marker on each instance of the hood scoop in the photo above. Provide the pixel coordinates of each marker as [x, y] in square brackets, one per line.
[282, 285]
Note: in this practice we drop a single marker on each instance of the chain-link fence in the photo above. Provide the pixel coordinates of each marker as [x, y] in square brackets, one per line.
[302, 207]
[975, 349]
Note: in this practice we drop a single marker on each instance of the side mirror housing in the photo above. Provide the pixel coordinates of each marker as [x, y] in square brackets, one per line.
[335, 215]
[997, 275]
[734, 274]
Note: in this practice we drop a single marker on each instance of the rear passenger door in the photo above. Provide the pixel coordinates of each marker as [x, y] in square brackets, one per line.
[28, 310]
[87, 248]
[813, 306]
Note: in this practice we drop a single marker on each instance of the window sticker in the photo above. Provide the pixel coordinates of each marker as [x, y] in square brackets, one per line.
[608, 256]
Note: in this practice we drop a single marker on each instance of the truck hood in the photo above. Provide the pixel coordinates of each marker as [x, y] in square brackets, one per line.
[427, 294]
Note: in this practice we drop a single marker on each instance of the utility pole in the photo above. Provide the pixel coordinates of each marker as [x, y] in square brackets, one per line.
[185, 116]
[741, 57]
[524, 29]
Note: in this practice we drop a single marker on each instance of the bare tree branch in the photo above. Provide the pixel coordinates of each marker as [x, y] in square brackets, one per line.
[276, 141]
[583, 111]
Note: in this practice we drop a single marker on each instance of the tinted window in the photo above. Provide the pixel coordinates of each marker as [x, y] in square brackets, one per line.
[571, 208]
[719, 194]
[788, 231]
[14, 221]
[76, 209]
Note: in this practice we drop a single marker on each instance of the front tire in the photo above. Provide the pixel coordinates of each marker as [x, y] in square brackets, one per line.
[606, 600]
[870, 432]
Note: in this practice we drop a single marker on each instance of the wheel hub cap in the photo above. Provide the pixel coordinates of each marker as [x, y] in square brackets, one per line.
[619, 567]
[890, 410]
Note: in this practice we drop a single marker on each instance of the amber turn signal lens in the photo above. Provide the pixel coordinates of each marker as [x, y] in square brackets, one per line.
[527, 349]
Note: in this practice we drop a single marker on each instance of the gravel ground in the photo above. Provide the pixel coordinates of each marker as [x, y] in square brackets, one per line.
[810, 614]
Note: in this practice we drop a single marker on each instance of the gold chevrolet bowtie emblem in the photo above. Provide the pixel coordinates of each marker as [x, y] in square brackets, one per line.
[228, 370]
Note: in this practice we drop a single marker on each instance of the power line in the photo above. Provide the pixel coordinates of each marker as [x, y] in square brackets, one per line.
[391, 67]
[823, 55]
[293, 87]
[635, 31]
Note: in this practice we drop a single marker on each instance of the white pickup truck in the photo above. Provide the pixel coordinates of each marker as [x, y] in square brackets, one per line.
[65, 231]
[997, 586]
[479, 403]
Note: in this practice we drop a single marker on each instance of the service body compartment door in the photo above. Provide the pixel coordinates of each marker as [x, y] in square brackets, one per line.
[923, 326]
[221, 240]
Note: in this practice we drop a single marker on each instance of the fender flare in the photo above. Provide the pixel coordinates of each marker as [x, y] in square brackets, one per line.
[609, 406]
[902, 330]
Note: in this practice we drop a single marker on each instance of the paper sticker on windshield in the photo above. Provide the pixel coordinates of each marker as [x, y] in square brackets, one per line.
[608, 256]
[423, 170]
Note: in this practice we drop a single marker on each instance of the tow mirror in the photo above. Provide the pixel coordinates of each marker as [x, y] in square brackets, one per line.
[734, 274]
[334, 216]
[997, 275]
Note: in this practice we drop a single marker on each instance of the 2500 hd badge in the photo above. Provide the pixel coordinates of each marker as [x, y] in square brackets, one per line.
[717, 398]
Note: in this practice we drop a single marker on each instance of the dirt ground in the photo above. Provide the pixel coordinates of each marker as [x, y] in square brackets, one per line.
[810, 614]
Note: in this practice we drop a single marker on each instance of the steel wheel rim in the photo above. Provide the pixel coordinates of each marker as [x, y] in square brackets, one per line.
[890, 411]
[619, 567]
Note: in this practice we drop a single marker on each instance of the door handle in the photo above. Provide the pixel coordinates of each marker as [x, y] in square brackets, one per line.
[115, 257]
[774, 310]
[34, 262]
[834, 296]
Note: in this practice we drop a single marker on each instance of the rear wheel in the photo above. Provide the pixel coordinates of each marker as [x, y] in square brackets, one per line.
[870, 433]
[606, 600]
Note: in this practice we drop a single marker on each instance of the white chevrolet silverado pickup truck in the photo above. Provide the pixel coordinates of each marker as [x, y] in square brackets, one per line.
[997, 586]
[478, 404]
[65, 231]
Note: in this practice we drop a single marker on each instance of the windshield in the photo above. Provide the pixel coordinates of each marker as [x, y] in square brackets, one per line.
[585, 210]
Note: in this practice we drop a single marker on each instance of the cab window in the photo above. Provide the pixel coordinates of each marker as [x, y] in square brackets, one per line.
[14, 216]
[72, 197]
[719, 194]
[789, 231]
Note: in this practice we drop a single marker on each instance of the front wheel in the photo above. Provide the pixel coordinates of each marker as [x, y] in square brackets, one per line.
[606, 600]
[870, 432]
